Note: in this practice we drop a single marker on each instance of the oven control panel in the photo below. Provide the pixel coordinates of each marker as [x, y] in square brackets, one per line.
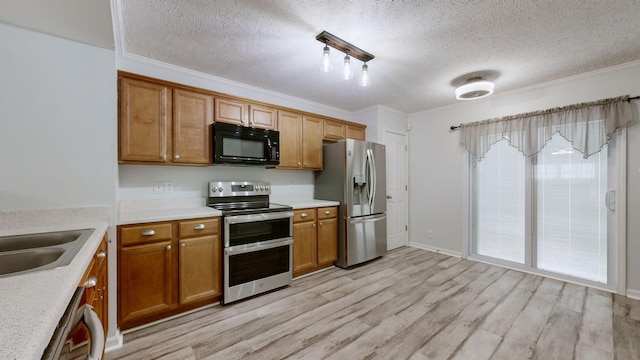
[239, 188]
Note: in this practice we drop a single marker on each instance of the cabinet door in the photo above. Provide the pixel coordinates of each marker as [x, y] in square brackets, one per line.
[192, 115]
[144, 124]
[304, 247]
[312, 143]
[290, 127]
[333, 130]
[144, 282]
[101, 297]
[200, 269]
[230, 111]
[327, 241]
[262, 117]
[355, 132]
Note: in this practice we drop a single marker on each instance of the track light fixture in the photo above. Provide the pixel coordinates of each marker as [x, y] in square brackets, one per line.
[364, 79]
[326, 61]
[350, 50]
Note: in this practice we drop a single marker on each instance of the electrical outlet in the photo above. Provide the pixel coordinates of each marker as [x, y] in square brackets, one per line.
[168, 186]
[158, 187]
[429, 234]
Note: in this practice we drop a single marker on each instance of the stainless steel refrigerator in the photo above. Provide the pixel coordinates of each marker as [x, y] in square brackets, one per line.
[354, 173]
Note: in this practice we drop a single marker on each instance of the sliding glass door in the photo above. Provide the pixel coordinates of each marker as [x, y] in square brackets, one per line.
[546, 213]
[571, 217]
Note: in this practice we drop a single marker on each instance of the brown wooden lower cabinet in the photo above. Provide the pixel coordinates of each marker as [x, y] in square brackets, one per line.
[315, 239]
[165, 268]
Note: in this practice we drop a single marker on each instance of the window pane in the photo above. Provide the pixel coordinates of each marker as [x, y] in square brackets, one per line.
[571, 216]
[499, 204]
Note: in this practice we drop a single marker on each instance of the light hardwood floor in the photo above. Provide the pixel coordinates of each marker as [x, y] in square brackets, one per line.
[411, 304]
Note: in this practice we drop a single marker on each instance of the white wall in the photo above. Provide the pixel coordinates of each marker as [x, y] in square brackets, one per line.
[438, 162]
[58, 102]
[58, 114]
[379, 118]
[136, 181]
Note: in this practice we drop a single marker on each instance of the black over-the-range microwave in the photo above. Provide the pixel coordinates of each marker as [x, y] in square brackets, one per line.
[240, 145]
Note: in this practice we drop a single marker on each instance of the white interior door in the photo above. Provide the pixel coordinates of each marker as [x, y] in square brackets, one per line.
[397, 174]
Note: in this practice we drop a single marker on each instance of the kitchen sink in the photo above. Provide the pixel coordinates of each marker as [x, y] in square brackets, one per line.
[21, 254]
[30, 241]
[25, 260]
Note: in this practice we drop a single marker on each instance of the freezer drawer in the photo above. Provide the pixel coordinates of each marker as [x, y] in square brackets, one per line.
[366, 239]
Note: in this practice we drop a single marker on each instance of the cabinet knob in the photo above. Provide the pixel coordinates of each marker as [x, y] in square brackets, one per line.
[199, 227]
[305, 164]
[303, 215]
[91, 282]
[164, 156]
[148, 233]
[176, 156]
[314, 224]
[101, 254]
[299, 164]
[320, 223]
[183, 245]
[389, 197]
[168, 247]
[327, 212]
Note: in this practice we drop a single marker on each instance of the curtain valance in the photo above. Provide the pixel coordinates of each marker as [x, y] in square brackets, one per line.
[587, 126]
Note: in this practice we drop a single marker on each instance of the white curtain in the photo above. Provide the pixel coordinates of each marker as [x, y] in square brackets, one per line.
[587, 126]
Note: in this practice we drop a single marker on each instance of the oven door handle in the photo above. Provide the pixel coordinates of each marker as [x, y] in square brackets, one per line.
[258, 217]
[244, 249]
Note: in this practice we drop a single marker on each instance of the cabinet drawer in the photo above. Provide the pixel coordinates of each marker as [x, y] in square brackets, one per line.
[304, 215]
[145, 233]
[198, 227]
[327, 212]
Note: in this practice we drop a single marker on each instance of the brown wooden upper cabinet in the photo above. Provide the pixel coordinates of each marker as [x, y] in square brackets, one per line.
[334, 130]
[243, 113]
[159, 124]
[300, 141]
[355, 131]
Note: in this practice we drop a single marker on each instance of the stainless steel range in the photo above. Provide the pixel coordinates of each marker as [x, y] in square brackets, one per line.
[257, 238]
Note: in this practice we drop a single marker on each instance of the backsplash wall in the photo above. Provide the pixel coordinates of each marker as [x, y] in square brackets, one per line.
[136, 181]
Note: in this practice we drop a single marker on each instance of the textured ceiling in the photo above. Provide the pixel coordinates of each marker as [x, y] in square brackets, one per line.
[422, 48]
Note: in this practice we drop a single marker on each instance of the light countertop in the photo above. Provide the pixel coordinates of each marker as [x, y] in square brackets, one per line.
[140, 211]
[306, 203]
[151, 215]
[32, 304]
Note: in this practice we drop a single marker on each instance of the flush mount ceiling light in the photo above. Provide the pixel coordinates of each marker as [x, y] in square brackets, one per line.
[350, 50]
[475, 88]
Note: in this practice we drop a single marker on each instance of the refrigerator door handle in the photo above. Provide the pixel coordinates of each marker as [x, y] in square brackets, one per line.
[365, 219]
[372, 178]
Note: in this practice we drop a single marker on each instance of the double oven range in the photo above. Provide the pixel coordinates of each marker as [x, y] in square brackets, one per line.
[257, 238]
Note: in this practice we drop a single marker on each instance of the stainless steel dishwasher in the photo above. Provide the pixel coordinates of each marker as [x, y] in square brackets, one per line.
[79, 334]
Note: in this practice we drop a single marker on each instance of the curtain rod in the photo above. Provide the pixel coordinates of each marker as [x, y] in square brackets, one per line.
[454, 127]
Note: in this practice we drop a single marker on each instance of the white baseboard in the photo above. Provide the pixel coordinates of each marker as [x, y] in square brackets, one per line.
[435, 249]
[633, 294]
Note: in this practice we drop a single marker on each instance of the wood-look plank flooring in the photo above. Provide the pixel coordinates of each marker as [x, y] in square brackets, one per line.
[411, 304]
